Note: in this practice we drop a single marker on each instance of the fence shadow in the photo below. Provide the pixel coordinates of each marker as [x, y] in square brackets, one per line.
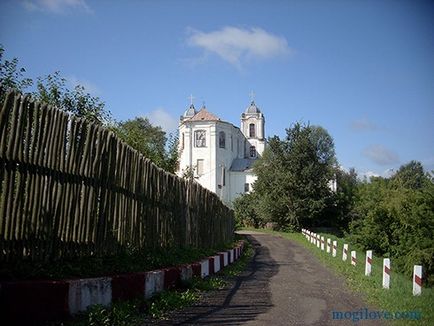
[247, 298]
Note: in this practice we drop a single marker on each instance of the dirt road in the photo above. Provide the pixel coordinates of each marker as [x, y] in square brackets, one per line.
[283, 285]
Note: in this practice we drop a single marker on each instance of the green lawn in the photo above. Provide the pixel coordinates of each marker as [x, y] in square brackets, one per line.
[398, 298]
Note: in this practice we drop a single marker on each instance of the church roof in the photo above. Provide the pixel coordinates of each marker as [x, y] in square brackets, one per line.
[204, 115]
[252, 108]
[242, 164]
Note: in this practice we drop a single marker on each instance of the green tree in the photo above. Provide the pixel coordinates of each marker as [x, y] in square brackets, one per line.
[294, 175]
[395, 217]
[52, 90]
[151, 141]
[11, 76]
[245, 211]
[411, 175]
[342, 212]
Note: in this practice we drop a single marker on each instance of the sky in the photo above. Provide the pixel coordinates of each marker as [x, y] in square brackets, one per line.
[363, 70]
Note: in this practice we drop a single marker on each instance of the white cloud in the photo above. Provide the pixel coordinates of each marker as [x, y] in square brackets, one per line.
[90, 87]
[56, 6]
[162, 118]
[381, 155]
[363, 124]
[235, 45]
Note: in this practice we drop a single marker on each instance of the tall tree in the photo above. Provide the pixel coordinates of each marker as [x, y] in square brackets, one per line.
[11, 76]
[151, 141]
[294, 175]
[52, 90]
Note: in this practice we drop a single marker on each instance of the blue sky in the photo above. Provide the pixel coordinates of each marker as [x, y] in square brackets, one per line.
[364, 70]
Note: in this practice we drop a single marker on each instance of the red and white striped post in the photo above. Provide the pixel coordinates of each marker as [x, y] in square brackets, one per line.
[386, 273]
[328, 245]
[368, 263]
[335, 247]
[318, 241]
[345, 252]
[353, 258]
[417, 280]
[313, 237]
[322, 243]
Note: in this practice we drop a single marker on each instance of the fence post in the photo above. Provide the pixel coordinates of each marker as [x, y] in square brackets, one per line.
[345, 252]
[417, 280]
[368, 263]
[318, 241]
[328, 245]
[386, 273]
[322, 243]
[353, 258]
[335, 247]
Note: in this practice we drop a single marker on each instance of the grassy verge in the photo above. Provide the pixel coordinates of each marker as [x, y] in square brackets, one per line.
[126, 262]
[398, 298]
[136, 312]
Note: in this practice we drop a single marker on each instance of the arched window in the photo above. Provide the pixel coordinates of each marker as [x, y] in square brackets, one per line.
[252, 131]
[200, 138]
[222, 139]
[252, 151]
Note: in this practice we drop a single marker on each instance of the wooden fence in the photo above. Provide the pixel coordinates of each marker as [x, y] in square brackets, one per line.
[71, 188]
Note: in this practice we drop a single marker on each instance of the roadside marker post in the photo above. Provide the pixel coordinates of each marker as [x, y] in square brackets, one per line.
[328, 245]
[353, 258]
[345, 252]
[322, 243]
[386, 273]
[417, 280]
[368, 263]
[318, 241]
[335, 247]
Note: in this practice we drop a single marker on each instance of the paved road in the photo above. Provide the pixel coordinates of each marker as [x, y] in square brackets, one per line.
[283, 285]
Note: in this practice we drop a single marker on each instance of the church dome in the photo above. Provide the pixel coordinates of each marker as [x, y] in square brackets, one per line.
[190, 112]
[252, 108]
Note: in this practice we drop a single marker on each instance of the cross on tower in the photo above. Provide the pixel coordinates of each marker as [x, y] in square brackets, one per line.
[191, 98]
[252, 96]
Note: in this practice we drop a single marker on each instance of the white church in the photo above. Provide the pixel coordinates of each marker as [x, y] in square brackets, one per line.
[218, 154]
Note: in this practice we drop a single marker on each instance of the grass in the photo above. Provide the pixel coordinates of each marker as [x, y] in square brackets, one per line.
[135, 312]
[398, 298]
[125, 262]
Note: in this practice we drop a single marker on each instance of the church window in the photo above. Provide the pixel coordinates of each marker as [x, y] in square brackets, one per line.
[246, 187]
[199, 167]
[200, 138]
[252, 151]
[252, 131]
[222, 139]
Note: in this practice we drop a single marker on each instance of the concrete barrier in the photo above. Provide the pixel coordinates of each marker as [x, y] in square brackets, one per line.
[30, 302]
[417, 280]
[87, 292]
[345, 252]
[335, 247]
[368, 263]
[386, 273]
[353, 258]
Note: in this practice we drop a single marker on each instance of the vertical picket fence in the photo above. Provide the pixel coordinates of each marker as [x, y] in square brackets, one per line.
[69, 188]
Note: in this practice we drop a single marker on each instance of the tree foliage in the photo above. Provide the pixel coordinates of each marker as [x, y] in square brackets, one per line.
[245, 211]
[395, 217]
[11, 76]
[294, 175]
[151, 141]
[52, 89]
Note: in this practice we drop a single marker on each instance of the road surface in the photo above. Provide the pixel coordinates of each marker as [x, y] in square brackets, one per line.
[284, 284]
